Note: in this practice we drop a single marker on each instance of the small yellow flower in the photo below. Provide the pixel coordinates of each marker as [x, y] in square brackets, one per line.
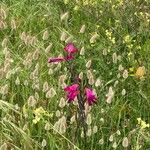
[36, 119]
[39, 111]
[139, 120]
[140, 72]
[142, 123]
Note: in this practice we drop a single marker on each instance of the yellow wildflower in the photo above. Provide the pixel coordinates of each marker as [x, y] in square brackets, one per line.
[142, 123]
[36, 119]
[39, 111]
[140, 72]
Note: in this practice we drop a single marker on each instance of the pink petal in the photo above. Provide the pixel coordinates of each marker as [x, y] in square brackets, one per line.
[71, 96]
[70, 48]
[69, 57]
[71, 88]
[50, 60]
[90, 96]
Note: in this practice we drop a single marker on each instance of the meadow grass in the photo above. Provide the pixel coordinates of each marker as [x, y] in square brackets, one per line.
[113, 35]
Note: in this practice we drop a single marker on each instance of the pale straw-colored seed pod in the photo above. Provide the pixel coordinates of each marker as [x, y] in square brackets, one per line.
[73, 119]
[36, 54]
[58, 113]
[89, 74]
[47, 126]
[4, 42]
[17, 82]
[31, 101]
[45, 86]
[3, 14]
[88, 64]
[98, 82]
[95, 129]
[48, 48]
[123, 92]
[89, 119]
[64, 16]
[44, 143]
[89, 132]
[4, 89]
[111, 138]
[120, 68]
[62, 103]
[69, 39]
[91, 81]
[63, 36]
[125, 142]
[114, 145]
[101, 141]
[94, 38]
[82, 29]
[45, 35]
[13, 24]
[81, 75]
[110, 95]
[105, 52]
[125, 74]
[114, 58]
[82, 51]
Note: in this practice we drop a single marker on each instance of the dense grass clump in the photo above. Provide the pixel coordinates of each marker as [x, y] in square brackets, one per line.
[113, 40]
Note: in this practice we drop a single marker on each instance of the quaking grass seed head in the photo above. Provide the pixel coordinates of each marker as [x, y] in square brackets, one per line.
[82, 29]
[62, 103]
[82, 51]
[45, 35]
[125, 142]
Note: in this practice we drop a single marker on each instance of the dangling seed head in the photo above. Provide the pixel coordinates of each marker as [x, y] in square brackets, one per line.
[125, 142]
[45, 35]
[82, 51]
[88, 64]
[82, 30]
[89, 119]
[62, 103]
[64, 16]
[31, 101]
[125, 74]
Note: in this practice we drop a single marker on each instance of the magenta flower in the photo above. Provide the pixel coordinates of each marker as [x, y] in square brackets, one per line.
[71, 96]
[71, 88]
[72, 92]
[90, 96]
[69, 57]
[70, 48]
[57, 59]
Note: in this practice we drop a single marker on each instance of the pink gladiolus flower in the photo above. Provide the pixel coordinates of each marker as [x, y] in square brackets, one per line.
[71, 88]
[69, 57]
[71, 96]
[90, 96]
[70, 48]
[55, 60]
[72, 92]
